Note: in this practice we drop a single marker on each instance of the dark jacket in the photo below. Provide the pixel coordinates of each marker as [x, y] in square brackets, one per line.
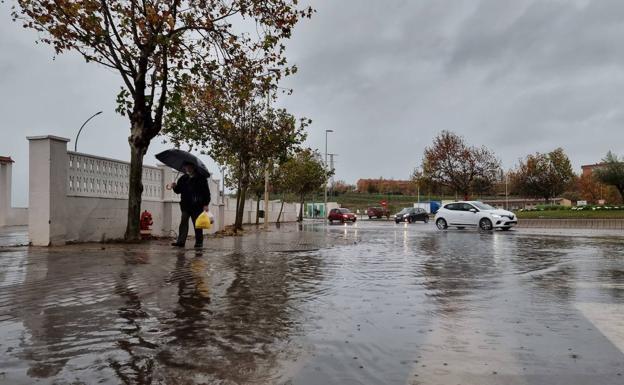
[194, 193]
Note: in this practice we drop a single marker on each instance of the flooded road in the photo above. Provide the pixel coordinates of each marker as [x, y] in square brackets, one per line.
[370, 303]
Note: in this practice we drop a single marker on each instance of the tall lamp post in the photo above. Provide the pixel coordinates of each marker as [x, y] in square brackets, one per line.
[81, 127]
[325, 207]
[506, 191]
[266, 169]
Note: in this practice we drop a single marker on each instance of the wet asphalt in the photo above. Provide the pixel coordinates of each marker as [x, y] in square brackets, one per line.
[370, 303]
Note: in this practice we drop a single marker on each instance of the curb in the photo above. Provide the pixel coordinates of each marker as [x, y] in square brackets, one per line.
[577, 223]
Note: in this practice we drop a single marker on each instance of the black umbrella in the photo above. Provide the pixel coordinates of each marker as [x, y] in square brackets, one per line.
[175, 159]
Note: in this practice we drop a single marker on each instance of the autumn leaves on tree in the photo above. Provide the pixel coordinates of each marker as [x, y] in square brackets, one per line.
[227, 117]
[157, 47]
[461, 168]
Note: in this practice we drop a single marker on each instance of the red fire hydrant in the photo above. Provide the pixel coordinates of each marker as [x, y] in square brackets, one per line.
[146, 222]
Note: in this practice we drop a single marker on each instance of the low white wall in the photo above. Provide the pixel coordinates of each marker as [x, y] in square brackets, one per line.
[9, 216]
[81, 198]
[18, 216]
[104, 218]
[289, 213]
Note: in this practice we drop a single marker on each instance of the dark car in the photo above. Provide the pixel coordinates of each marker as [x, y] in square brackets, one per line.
[411, 214]
[377, 212]
[341, 215]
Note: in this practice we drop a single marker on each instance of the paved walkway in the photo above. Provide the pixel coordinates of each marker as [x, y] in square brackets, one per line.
[13, 236]
[371, 303]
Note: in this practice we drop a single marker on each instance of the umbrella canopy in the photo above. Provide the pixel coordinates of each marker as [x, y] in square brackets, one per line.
[175, 159]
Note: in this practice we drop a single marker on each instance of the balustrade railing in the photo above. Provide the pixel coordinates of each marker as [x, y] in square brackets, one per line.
[97, 177]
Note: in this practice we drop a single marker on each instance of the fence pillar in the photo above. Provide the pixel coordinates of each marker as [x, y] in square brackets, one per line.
[48, 164]
[5, 191]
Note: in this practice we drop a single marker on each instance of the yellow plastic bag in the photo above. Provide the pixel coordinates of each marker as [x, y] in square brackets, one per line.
[203, 221]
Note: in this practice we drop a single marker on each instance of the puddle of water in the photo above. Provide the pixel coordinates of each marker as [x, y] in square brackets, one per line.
[371, 303]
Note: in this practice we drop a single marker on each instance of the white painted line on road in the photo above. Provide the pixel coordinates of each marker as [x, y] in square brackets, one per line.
[607, 318]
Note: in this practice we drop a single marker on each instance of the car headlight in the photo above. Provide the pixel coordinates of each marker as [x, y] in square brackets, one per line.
[496, 216]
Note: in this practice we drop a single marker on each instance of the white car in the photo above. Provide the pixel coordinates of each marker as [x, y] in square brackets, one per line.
[473, 214]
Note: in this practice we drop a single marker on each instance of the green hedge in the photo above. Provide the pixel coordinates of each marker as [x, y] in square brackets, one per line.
[576, 208]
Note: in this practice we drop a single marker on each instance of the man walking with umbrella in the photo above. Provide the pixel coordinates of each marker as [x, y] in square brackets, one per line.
[194, 198]
[193, 189]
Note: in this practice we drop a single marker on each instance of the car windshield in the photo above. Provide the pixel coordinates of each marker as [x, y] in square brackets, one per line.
[483, 206]
[344, 211]
[404, 211]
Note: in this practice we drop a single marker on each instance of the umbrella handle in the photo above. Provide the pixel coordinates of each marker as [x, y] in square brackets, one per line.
[168, 185]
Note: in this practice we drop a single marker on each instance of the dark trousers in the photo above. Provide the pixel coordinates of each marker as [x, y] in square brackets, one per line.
[184, 227]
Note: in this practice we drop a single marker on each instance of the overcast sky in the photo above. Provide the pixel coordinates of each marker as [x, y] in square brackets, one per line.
[517, 76]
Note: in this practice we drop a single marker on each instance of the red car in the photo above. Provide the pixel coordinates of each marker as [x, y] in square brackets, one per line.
[341, 215]
[377, 212]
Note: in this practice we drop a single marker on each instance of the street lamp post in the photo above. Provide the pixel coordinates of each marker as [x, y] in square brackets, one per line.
[81, 127]
[506, 191]
[325, 207]
[266, 169]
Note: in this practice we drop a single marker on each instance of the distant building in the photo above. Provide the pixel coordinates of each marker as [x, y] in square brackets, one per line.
[588, 169]
[525, 203]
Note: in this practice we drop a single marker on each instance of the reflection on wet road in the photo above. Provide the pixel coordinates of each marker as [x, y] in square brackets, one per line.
[371, 303]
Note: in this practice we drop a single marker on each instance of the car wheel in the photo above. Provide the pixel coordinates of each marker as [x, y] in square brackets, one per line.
[441, 224]
[485, 224]
[409, 220]
[354, 219]
[370, 217]
[331, 222]
[426, 220]
[396, 221]
[505, 228]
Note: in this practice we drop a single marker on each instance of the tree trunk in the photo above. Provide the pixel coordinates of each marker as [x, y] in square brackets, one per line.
[238, 224]
[238, 195]
[135, 190]
[300, 219]
[258, 210]
[279, 216]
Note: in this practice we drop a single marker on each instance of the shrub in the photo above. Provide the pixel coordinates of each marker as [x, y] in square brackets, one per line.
[551, 207]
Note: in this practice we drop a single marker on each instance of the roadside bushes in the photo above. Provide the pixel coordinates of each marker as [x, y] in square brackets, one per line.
[575, 208]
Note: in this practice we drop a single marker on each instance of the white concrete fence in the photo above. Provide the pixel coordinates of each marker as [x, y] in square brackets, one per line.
[75, 197]
[9, 216]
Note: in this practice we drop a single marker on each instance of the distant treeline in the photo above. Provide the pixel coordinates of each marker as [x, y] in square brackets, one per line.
[387, 186]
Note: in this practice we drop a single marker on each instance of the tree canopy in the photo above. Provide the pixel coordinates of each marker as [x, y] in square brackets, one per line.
[227, 117]
[303, 174]
[543, 175]
[452, 163]
[154, 45]
[611, 172]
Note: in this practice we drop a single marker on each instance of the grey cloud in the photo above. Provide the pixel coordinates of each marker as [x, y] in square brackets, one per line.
[541, 37]
[517, 76]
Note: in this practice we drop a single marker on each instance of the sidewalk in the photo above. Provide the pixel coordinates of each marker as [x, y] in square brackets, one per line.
[13, 236]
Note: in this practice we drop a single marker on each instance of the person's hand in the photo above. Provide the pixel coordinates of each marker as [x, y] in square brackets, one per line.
[173, 184]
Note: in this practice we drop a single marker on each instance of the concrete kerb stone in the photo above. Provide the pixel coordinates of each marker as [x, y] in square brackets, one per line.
[580, 223]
